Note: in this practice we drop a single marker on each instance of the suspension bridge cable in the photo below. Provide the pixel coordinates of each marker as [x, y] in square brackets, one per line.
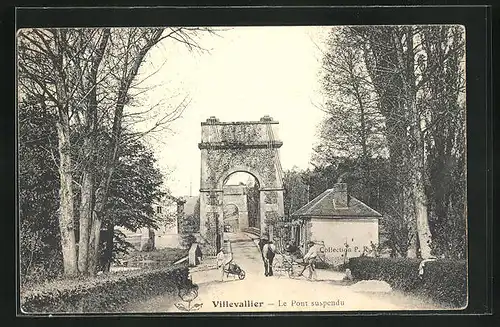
[277, 162]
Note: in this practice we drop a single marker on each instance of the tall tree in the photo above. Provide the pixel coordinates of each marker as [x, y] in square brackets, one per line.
[415, 76]
[352, 132]
[136, 46]
[38, 194]
[443, 98]
[387, 67]
[90, 129]
[128, 207]
[46, 73]
[133, 191]
[415, 61]
[296, 191]
[85, 76]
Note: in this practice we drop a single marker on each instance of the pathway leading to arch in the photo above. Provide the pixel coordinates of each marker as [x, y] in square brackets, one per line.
[260, 293]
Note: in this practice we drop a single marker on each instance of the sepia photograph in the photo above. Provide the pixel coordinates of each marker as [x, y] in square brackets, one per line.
[221, 169]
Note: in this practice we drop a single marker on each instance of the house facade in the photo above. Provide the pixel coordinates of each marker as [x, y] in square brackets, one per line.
[180, 213]
[345, 226]
[170, 214]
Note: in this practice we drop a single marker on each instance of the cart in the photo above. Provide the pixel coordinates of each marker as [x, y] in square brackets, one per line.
[286, 264]
[233, 269]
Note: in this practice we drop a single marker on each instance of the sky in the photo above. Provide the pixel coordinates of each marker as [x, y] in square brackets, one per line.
[247, 72]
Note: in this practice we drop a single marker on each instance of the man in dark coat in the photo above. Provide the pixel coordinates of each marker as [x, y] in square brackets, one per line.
[263, 241]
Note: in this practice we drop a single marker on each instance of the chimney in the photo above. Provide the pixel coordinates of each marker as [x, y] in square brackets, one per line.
[212, 120]
[340, 197]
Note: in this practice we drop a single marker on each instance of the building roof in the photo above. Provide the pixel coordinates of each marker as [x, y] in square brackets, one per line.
[322, 206]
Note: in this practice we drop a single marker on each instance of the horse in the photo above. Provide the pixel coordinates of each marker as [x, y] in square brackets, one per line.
[268, 251]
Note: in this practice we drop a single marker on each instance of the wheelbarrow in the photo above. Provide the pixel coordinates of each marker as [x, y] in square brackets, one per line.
[233, 269]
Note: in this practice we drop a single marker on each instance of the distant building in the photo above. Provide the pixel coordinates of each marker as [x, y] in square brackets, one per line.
[141, 239]
[169, 213]
[337, 219]
[181, 220]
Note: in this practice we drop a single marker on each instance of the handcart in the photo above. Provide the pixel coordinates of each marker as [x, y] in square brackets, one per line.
[286, 264]
[233, 269]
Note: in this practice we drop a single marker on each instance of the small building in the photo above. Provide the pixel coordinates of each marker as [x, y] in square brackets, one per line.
[142, 239]
[174, 216]
[179, 218]
[343, 224]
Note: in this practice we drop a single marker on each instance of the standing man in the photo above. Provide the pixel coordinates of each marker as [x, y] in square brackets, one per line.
[268, 253]
[263, 241]
[310, 260]
[220, 258]
[223, 259]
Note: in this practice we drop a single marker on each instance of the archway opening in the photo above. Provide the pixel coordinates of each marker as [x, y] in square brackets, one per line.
[241, 197]
[231, 216]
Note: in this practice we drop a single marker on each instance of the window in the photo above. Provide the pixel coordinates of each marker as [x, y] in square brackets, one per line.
[158, 209]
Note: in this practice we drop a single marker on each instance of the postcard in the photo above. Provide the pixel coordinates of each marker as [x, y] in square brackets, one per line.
[242, 169]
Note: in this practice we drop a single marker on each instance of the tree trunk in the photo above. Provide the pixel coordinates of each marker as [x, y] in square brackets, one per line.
[419, 168]
[419, 195]
[409, 220]
[66, 224]
[108, 252]
[94, 245]
[424, 233]
[66, 200]
[88, 184]
[103, 192]
[406, 63]
[380, 59]
[85, 217]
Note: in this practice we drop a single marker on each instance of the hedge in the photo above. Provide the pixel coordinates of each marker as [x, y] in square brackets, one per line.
[330, 266]
[105, 293]
[444, 281]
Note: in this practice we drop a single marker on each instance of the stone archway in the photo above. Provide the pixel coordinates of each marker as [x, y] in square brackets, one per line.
[229, 147]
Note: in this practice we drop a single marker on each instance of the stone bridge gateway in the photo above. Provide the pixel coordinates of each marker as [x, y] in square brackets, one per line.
[229, 147]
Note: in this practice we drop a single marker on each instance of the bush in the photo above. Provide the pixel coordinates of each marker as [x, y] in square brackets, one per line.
[444, 281]
[400, 273]
[187, 240]
[105, 293]
[323, 265]
[330, 266]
